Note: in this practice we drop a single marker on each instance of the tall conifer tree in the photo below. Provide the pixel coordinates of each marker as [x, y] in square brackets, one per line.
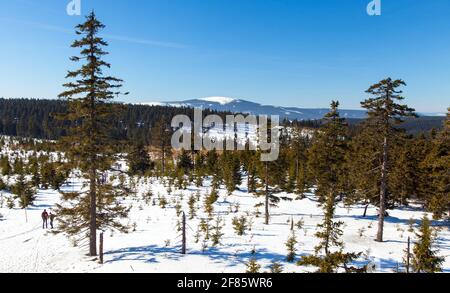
[384, 112]
[327, 155]
[89, 98]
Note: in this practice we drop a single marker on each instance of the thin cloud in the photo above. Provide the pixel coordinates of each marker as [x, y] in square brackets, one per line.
[145, 42]
[126, 39]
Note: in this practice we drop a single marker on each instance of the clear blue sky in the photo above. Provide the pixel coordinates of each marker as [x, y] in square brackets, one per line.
[284, 52]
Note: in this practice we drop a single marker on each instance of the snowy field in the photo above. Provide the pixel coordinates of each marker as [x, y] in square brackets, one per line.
[154, 245]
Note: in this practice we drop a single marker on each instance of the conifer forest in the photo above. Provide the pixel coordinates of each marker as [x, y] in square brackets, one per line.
[94, 180]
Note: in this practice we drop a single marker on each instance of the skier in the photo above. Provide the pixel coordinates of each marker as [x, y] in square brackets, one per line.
[44, 219]
[51, 217]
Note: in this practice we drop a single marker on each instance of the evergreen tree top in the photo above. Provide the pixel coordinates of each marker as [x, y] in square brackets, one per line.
[92, 25]
[383, 105]
[90, 77]
[333, 115]
[334, 109]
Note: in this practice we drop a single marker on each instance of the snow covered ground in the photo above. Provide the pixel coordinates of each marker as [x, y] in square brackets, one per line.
[154, 243]
[154, 246]
[26, 248]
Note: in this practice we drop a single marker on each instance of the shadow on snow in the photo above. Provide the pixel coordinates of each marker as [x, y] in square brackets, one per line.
[149, 254]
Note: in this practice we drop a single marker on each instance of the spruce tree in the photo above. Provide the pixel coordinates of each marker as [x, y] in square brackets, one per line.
[23, 191]
[34, 170]
[160, 135]
[139, 160]
[46, 173]
[209, 202]
[2, 184]
[240, 225]
[437, 169]
[300, 150]
[290, 245]
[327, 155]
[18, 166]
[330, 232]
[58, 178]
[88, 144]
[5, 165]
[212, 166]
[184, 162]
[199, 164]
[362, 162]
[192, 208]
[276, 268]
[409, 177]
[266, 185]
[425, 259]
[384, 112]
[249, 164]
[216, 233]
[231, 171]
[252, 266]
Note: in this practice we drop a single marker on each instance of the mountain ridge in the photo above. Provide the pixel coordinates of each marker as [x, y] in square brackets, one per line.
[226, 104]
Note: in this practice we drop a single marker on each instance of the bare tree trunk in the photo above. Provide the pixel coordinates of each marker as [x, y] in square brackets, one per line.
[267, 195]
[383, 192]
[93, 214]
[183, 247]
[101, 248]
[194, 171]
[328, 224]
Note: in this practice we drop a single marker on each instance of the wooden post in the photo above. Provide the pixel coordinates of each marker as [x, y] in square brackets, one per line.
[365, 210]
[292, 223]
[183, 246]
[408, 255]
[101, 248]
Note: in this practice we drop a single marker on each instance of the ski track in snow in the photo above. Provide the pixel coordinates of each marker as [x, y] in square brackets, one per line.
[20, 234]
[27, 248]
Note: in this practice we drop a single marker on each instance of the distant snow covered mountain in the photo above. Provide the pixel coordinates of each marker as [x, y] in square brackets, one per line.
[247, 107]
[242, 106]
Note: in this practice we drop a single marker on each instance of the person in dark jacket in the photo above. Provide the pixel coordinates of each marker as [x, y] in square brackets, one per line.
[44, 219]
[51, 217]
